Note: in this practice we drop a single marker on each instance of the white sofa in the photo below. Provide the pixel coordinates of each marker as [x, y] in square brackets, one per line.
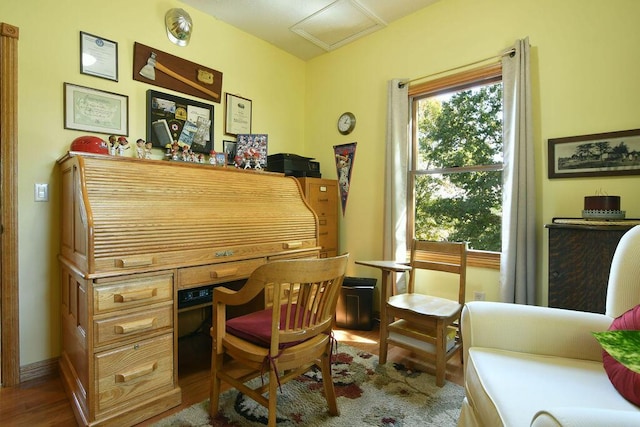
[540, 366]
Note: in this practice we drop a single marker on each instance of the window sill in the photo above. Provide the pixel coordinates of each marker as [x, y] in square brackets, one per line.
[483, 259]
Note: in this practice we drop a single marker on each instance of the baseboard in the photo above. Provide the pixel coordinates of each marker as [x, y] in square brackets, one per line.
[37, 370]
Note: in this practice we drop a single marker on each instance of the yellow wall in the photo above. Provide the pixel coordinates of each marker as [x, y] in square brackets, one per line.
[49, 56]
[584, 67]
[584, 72]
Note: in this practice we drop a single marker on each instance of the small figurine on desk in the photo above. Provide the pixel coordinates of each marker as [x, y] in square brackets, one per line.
[247, 160]
[200, 158]
[237, 161]
[123, 145]
[113, 144]
[256, 159]
[212, 157]
[140, 148]
[147, 149]
[175, 149]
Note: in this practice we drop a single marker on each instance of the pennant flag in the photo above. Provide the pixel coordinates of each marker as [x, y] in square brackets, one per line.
[345, 156]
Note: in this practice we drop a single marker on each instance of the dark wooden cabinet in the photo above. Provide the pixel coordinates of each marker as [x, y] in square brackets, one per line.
[579, 264]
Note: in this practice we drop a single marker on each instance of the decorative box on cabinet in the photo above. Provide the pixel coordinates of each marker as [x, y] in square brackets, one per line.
[136, 232]
[322, 196]
[580, 257]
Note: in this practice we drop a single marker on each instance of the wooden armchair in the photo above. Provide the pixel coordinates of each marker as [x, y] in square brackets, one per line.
[284, 340]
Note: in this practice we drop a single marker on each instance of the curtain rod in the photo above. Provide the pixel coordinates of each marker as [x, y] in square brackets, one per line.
[509, 52]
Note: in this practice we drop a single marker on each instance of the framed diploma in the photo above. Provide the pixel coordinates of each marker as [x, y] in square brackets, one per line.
[98, 56]
[94, 110]
[237, 115]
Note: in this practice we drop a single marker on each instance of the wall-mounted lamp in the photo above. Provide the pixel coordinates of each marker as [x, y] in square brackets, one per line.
[179, 24]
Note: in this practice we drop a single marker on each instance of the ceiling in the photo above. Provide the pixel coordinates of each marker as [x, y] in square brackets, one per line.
[308, 28]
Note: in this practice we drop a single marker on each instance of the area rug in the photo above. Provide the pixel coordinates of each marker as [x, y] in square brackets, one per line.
[369, 394]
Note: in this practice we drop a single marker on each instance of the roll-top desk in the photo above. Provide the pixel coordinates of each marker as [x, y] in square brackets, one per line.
[135, 233]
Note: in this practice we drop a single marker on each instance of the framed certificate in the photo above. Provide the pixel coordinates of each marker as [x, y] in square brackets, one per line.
[237, 115]
[94, 110]
[98, 56]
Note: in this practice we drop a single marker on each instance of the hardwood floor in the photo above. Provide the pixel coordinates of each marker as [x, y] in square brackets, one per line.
[43, 402]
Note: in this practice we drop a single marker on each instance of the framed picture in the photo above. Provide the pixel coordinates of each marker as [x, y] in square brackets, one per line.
[600, 154]
[95, 110]
[171, 118]
[237, 115]
[229, 148]
[98, 56]
[252, 149]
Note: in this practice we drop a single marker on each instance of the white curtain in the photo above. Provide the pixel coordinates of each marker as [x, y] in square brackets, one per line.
[395, 179]
[518, 263]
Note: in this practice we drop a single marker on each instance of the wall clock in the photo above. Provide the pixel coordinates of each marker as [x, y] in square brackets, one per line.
[346, 123]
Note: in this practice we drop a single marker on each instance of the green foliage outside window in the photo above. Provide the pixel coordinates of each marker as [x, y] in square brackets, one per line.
[460, 131]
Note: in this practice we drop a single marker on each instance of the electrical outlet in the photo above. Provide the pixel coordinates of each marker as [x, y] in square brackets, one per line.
[479, 296]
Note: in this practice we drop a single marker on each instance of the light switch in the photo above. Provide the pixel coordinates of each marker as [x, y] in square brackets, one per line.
[41, 192]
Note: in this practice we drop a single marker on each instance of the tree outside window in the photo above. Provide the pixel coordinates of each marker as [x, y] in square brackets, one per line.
[457, 173]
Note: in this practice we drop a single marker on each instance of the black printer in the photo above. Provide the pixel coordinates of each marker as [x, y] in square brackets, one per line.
[293, 165]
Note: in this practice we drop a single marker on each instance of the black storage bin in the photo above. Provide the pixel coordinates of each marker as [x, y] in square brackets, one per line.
[355, 303]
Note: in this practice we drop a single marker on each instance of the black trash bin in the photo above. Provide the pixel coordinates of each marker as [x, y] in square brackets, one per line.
[355, 303]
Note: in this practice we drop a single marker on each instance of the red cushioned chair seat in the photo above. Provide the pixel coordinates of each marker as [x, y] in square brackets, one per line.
[256, 327]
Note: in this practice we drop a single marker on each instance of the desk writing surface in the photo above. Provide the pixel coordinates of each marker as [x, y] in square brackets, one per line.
[386, 265]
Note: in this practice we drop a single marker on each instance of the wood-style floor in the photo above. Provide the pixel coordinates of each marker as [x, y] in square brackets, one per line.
[43, 402]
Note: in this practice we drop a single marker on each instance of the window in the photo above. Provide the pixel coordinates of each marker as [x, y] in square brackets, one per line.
[456, 162]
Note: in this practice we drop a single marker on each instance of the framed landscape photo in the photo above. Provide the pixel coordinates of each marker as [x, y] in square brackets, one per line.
[172, 118]
[601, 154]
[238, 112]
[94, 110]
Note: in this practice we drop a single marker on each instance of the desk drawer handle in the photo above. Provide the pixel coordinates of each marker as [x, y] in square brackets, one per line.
[135, 295]
[217, 274]
[135, 326]
[129, 263]
[322, 222]
[136, 373]
[293, 245]
[323, 199]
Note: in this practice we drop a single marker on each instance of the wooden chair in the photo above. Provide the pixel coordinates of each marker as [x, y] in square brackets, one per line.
[283, 342]
[427, 325]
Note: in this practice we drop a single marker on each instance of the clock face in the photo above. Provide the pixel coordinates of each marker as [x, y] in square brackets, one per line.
[346, 123]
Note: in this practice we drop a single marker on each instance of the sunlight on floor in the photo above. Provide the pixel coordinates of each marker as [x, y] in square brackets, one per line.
[351, 336]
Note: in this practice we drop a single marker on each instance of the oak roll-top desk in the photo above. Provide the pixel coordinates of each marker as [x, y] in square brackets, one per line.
[136, 232]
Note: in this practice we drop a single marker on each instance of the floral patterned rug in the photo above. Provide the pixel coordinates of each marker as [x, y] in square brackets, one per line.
[368, 395]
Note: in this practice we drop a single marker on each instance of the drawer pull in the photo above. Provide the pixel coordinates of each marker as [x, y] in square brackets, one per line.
[136, 373]
[129, 263]
[293, 245]
[323, 199]
[324, 233]
[130, 296]
[226, 272]
[322, 222]
[136, 326]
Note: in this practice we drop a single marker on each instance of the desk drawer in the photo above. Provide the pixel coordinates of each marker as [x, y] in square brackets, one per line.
[133, 325]
[327, 234]
[133, 373]
[132, 292]
[323, 199]
[191, 277]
